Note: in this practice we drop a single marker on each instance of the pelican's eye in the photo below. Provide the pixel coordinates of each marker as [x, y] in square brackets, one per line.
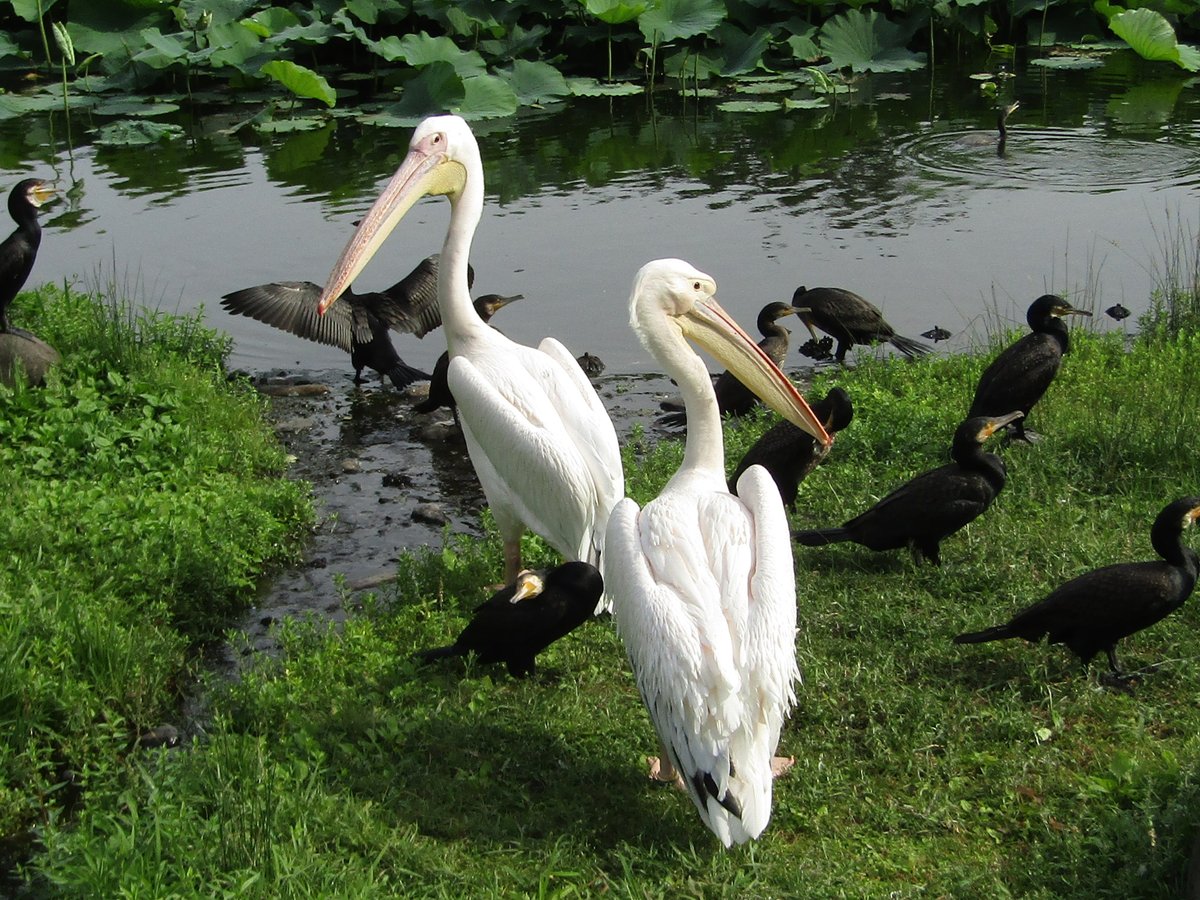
[696, 286]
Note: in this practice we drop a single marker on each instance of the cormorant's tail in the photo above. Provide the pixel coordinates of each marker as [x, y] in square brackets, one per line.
[818, 537]
[908, 346]
[403, 375]
[995, 633]
[428, 656]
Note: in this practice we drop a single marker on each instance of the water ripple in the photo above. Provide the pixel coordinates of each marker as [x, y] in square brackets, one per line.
[1052, 158]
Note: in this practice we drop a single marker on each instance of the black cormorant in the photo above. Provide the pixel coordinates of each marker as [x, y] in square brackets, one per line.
[789, 453]
[733, 397]
[849, 319]
[1092, 612]
[1020, 375]
[439, 389]
[932, 506]
[359, 325]
[523, 619]
[20, 248]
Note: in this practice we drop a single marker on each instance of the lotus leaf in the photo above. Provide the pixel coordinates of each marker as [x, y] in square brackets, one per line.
[806, 103]
[742, 53]
[616, 12]
[134, 106]
[868, 42]
[271, 21]
[486, 97]
[535, 82]
[1151, 36]
[435, 87]
[1068, 62]
[301, 81]
[591, 87]
[672, 20]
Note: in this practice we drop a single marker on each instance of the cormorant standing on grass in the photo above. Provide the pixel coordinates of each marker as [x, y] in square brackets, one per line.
[849, 319]
[789, 453]
[19, 250]
[525, 618]
[1092, 612]
[932, 506]
[1020, 375]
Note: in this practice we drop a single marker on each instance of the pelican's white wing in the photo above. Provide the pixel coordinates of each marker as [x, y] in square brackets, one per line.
[674, 572]
[769, 650]
[542, 464]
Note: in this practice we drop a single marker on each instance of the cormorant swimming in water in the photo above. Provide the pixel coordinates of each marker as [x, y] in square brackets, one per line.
[733, 397]
[525, 618]
[1020, 375]
[789, 453]
[849, 319]
[359, 325]
[1093, 611]
[19, 250]
[922, 512]
[439, 389]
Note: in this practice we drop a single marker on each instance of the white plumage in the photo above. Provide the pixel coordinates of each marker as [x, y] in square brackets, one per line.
[701, 581]
[542, 444]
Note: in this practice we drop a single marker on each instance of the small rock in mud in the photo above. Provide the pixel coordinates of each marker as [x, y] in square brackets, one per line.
[295, 424]
[351, 466]
[430, 514]
[440, 432]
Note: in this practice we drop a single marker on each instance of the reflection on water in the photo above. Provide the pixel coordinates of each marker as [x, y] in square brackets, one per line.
[881, 194]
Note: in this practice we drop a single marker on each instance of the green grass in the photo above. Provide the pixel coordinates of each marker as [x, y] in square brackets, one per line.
[338, 768]
[140, 502]
[923, 768]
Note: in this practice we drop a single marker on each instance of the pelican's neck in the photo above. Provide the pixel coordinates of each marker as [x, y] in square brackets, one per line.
[704, 447]
[459, 318]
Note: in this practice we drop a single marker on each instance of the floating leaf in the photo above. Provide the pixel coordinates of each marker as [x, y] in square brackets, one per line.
[868, 42]
[764, 87]
[301, 81]
[1151, 36]
[289, 125]
[752, 106]
[1067, 62]
[672, 20]
[134, 106]
[806, 103]
[590, 87]
[137, 132]
[535, 82]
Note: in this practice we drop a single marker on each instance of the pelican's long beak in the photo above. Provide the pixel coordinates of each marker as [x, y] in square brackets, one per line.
[712, 328]
[425, 171]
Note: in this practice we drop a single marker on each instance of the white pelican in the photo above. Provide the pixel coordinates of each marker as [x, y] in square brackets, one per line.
[543, 447]
[701, 581]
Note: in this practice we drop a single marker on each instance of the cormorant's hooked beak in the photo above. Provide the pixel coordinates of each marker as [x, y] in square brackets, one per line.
[1190, 517]
[1068, 310]
[426, 171]
[42, 192]
[712, 328]
[995, 423]
[528, 584]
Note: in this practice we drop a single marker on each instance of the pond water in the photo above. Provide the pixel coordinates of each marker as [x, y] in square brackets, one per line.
[895, 192]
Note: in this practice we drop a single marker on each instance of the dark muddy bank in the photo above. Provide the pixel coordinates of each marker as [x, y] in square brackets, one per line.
[384, 479]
